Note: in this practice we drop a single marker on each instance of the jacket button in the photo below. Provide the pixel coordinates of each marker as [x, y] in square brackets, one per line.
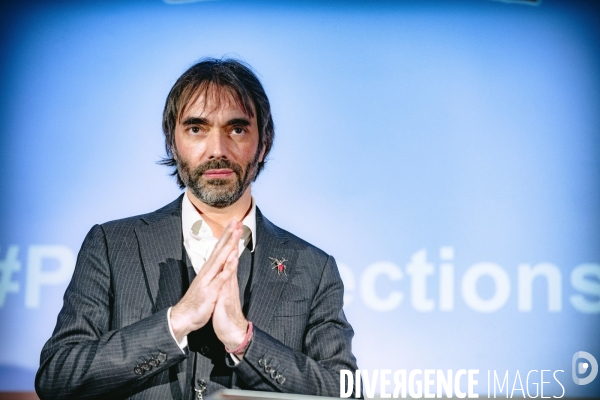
[268, 369]
[138, 371]
[262, 362]
[281, 379]
[145, 366]
[204, 350]
[273, 374]
[162, 357]
[153, 362]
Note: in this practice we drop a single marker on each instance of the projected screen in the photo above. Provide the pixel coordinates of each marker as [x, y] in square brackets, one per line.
[447, 154]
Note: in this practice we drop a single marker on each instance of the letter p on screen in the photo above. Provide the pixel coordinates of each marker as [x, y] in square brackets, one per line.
[37, 276]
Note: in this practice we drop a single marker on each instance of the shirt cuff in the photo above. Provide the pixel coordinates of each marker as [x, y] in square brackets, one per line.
[234, 358]
[184, 342]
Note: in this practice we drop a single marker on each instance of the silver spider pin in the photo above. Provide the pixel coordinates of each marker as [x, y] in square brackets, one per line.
[279, 265]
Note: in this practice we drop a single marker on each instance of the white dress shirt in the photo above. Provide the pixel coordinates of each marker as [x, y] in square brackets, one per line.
[199, 243]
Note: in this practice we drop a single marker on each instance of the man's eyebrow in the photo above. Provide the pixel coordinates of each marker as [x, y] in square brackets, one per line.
[239, 122]
[195, 121]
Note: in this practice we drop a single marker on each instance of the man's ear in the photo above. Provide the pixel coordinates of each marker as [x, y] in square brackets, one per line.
[261, 157]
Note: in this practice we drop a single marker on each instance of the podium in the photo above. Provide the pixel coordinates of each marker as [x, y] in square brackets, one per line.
[236, 394]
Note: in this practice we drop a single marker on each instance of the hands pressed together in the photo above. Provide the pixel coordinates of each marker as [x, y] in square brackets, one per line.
[214, 294]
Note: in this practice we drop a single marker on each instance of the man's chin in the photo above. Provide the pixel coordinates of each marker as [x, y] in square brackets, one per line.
[219, 187]
[218, 192]
[217, 196]
[218, 182]
[219, 201]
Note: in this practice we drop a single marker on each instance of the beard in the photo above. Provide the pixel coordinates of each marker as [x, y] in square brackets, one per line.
[218, 193]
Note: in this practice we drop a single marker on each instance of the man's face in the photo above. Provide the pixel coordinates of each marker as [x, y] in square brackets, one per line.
[216, 145]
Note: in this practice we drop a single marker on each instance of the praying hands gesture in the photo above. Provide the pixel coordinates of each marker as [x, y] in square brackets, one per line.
[214, 293]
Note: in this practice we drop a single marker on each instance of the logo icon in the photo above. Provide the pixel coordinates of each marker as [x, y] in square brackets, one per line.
[581, 367]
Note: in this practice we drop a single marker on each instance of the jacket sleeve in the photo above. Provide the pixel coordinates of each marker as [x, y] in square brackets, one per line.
[83, 358]
[269, 365]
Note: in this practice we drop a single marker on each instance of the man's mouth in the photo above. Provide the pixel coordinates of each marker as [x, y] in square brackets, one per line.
[217, 173]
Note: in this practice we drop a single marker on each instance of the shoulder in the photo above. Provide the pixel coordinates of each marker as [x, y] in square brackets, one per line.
[172, 209]
[125, 227]
[292, 241]
[119, 239]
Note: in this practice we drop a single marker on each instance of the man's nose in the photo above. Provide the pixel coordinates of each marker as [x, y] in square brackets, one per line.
[217, 145]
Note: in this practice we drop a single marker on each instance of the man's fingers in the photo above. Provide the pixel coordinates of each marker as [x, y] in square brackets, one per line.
[231, 230]
[230, 267]
[209, 265]
[223, 255]
[228, 242]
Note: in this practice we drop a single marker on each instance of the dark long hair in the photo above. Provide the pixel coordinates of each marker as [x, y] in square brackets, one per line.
[209, 74]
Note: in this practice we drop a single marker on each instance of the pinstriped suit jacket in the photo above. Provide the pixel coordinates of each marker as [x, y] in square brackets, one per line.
[130, 271]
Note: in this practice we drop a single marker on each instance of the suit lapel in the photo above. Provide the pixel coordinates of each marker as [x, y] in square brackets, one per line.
[160, 242]
[244, 270]
[161, 245]
[267, 282]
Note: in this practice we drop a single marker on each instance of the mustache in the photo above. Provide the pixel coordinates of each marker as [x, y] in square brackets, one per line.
[220, 163]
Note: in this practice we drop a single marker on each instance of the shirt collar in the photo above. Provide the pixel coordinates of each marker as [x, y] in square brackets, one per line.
[193, 224]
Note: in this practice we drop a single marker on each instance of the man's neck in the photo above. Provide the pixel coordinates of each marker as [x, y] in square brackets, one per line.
[218, 218]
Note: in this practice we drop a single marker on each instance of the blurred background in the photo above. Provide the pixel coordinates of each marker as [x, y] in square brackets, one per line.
[447, 153]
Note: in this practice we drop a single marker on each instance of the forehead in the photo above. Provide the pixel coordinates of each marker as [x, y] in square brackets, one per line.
[210, 98]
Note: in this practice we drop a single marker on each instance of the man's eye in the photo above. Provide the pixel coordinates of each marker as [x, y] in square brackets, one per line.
[194, 129]
[238, 130]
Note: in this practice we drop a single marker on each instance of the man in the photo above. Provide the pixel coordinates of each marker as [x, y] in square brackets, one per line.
[204, 293]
